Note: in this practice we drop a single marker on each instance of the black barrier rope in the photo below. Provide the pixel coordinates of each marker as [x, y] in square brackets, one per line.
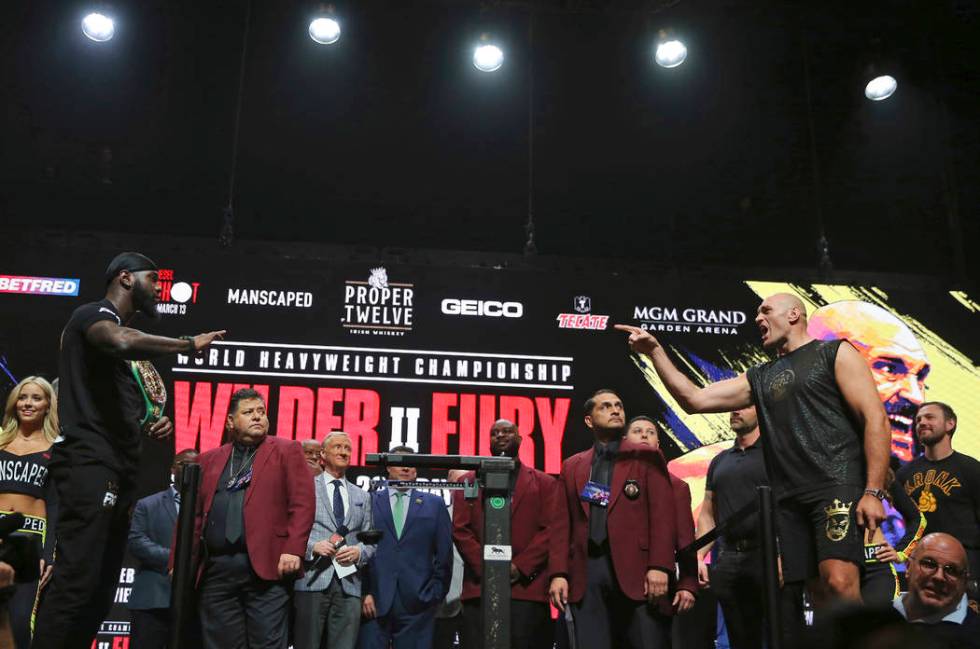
[712, 535]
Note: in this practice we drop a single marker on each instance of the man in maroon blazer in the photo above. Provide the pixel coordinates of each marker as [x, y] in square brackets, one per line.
[533, 504]
[255, 509]
[613, 545]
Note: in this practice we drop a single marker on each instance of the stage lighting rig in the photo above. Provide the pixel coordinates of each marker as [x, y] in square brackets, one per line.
[487, 57]
[881, 87]
[324, 28]
[98, 27]
[670, 51]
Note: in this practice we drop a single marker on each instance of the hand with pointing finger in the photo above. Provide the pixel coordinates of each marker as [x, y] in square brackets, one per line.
[201, 341]
[641, 341]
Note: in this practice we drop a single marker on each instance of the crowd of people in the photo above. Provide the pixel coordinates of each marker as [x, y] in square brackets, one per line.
[286, 549]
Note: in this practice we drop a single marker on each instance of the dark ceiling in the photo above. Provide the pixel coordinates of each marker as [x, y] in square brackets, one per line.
[392, 138]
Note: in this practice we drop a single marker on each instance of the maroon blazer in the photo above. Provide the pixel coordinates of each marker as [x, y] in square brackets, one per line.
[688, 566]
[641, 531]
[531, 521]
[279, 503]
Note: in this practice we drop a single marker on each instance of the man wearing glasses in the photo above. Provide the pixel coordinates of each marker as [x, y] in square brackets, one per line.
[936, 598]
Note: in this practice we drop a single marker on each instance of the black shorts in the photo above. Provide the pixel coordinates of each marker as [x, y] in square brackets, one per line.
[817, 525]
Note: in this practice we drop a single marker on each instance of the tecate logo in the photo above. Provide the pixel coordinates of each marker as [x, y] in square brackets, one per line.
[63, 286]
[485, 308]
[583, 318]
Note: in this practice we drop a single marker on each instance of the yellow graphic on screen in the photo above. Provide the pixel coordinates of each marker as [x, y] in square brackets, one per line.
[910, 362]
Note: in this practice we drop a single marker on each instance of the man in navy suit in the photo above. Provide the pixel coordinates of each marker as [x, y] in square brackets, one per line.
[150, 535]
[412, 567]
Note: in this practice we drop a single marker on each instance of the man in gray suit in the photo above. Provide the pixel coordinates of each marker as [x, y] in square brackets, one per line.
[150, 534]
[326, 602]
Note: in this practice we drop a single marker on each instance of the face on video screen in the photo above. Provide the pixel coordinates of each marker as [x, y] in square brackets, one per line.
[896, 358]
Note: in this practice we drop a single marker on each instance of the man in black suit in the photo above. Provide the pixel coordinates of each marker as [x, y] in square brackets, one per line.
[150, 535]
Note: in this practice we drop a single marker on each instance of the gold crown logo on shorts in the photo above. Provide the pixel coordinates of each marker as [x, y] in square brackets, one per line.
[838, 519]
[837, 508]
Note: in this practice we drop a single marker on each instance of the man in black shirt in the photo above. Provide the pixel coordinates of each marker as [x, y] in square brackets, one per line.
[827, 440]
[736, 575]
[943, 483]
[94, 465]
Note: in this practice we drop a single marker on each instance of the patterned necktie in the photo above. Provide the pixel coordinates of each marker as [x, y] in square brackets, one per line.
[338, 502]
[399, 512]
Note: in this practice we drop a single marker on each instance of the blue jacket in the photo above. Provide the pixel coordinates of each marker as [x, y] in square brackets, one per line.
[418, 566]
[150, 534]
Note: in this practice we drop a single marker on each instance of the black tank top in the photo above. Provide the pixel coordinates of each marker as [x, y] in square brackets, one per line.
[811, 440]
[24, 474]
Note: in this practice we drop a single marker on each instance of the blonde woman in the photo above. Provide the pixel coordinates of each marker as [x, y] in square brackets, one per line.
[30, 426]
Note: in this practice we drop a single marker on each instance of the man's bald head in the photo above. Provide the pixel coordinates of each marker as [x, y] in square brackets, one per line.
[788, 301]
[504, 438]
[781, 318]
[937, 576]
[948, 544]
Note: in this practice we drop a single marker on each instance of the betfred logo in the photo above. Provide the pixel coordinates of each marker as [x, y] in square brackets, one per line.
[484, 308]
[62, 286]
[175, 293]
[583, 318]
[378, 307]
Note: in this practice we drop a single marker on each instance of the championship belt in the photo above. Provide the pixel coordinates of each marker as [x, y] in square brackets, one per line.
[152, 389]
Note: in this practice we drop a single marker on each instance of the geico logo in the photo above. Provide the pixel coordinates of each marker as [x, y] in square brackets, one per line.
[489, 308]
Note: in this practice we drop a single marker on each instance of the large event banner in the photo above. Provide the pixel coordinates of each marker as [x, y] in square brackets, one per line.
[430, 356]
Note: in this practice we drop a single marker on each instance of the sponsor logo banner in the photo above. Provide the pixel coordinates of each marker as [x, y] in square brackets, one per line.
[583, 318]
[63, 286]
[176, 293]
[378, 307]
[689, 319]
[482, 308]
[270, 297]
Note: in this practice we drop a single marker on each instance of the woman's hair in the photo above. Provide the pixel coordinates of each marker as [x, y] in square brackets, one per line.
[10, 421]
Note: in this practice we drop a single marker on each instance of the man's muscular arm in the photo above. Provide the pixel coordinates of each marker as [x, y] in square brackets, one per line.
[859, 391]
[721, 396]
[133, 345]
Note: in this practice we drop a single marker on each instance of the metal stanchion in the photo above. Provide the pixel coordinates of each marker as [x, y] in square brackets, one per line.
[183, 578]
[770, 569]
[496, 554]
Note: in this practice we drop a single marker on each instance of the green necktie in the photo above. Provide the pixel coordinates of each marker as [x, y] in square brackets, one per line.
[399, 513]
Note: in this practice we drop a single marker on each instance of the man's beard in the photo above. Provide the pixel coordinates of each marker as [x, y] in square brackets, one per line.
[510, 450]
[610, 432]
[145, 302]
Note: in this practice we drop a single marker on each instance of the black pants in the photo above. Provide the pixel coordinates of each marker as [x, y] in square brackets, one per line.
[736, 579]
[238, 609]
[879, 584]
[149, 629]
[530, 624]
[91, 534]
[608, 619]
[21, 608]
